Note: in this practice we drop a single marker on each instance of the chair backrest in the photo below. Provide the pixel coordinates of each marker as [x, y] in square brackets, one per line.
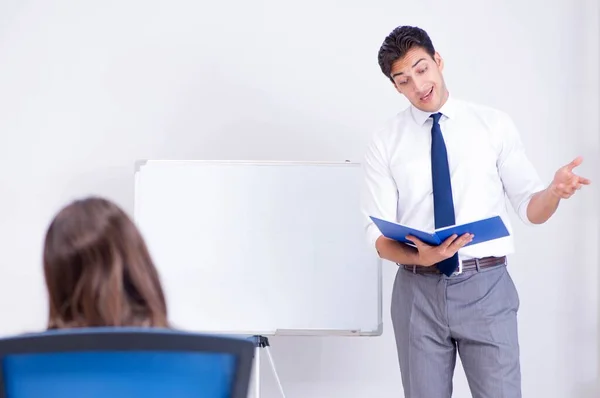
[124, 362]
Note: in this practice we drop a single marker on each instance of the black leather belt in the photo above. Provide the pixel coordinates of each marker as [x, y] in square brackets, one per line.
[471, 264]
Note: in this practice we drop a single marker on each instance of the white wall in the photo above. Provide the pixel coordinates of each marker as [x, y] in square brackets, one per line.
[86, 88]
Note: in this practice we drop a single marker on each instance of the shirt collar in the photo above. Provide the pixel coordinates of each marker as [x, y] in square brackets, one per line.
[448, 110]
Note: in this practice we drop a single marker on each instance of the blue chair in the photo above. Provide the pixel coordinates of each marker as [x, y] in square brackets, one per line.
[124, 362]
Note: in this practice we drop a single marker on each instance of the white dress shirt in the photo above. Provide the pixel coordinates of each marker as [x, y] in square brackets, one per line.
[487, 165]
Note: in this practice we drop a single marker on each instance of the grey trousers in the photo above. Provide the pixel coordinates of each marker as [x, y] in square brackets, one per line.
[474, 314]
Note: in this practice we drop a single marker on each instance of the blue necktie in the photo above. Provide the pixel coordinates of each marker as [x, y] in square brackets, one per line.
[443, 204]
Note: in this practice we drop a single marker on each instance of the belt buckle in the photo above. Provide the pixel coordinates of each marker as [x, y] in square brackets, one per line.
[460, 268]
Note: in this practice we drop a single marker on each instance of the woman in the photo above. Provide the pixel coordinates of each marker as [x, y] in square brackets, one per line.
[98, 269]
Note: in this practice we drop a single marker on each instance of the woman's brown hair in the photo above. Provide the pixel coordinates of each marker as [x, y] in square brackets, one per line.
[98, 269]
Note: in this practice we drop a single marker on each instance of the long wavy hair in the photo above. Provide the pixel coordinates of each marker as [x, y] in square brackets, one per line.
[98, 270]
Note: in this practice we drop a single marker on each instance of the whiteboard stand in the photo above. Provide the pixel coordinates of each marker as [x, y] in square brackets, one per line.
[263, 342]
[221, 234]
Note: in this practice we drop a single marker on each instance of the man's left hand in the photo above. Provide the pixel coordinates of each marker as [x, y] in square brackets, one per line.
[566, 182]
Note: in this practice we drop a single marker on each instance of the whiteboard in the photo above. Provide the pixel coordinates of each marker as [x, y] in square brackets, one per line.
[260, 248]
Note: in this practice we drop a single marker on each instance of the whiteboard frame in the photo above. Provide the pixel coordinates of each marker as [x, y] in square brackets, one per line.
[139, 164]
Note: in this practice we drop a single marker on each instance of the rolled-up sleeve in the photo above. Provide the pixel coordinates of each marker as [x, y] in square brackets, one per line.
[519, 177]
[379, 194]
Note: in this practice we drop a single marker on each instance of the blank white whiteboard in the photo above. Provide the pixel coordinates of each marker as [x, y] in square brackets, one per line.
[260, 248]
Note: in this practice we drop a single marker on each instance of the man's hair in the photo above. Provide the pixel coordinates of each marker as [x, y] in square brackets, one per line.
[98, 270]
[399, 42]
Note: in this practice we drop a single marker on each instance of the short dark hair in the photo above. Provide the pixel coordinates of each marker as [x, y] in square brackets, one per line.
[399, 42]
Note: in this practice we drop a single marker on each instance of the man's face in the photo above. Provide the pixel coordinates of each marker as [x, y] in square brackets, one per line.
[419, 78]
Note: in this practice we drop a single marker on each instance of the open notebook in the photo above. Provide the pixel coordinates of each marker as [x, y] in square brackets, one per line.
[483, 231]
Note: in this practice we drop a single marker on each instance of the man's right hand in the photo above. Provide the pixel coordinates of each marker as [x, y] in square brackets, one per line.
[431, 255]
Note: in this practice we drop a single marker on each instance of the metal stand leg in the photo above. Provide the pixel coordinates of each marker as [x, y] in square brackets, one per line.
[275, 371]
[257, 372]
[263, 342]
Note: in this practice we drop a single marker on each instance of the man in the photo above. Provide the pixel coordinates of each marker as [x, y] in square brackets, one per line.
[444, 161]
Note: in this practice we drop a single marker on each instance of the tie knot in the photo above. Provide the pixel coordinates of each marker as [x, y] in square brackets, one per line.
[436, 117]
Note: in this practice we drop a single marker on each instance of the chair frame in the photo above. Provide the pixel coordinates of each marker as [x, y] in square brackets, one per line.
[132, 339]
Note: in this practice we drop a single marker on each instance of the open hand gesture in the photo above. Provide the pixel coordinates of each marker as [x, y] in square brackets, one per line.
[431, 255]
[566, 182]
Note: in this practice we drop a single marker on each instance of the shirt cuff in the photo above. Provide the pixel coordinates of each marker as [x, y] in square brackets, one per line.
[373, 234]
[523, 211]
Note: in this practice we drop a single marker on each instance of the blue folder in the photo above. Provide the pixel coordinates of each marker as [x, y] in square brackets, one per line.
[483, 231]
